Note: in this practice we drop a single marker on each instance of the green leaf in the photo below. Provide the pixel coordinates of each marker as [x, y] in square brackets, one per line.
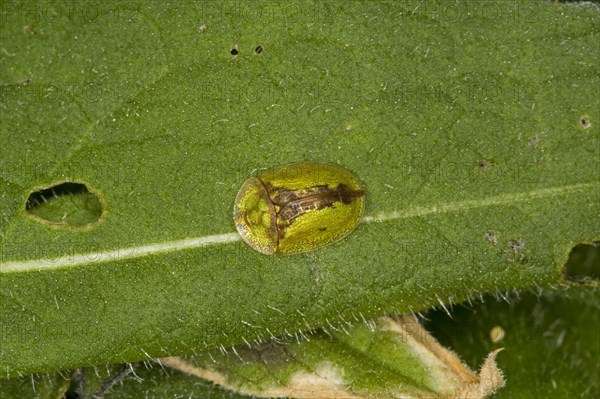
[474, 130]
[393, 357]
[46, 386]
[534, 329]
[157, 382]
[390, 357]
[551, 342]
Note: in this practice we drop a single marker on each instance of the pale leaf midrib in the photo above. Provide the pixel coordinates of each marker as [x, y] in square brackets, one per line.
[197, 242]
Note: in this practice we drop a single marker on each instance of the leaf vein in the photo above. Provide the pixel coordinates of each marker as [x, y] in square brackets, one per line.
[196, 242]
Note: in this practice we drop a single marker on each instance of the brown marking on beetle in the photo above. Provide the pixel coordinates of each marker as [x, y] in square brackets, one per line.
[290, 204]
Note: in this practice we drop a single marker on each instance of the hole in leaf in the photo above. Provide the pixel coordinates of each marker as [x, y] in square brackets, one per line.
[258, 49]
[234, 51]
[68, 204]
[584, 121]
[583, 265]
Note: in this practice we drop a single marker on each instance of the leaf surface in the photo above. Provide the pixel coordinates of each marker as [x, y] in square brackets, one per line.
[464, 126]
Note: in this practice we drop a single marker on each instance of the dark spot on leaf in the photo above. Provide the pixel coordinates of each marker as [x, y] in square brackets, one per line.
[322, 228]
[515, 252]
[515, 246]
[584, 121]
[483, 165]
[258, 49]
[234, 51]
[533, 141]
[491, 236]
[66, 204]
[583, 265]
[30, 29]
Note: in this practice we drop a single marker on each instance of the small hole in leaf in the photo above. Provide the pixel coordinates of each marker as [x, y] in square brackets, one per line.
[583, 265]
[66, 204]
[258, 49]
[585, 123]
[234, 51]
